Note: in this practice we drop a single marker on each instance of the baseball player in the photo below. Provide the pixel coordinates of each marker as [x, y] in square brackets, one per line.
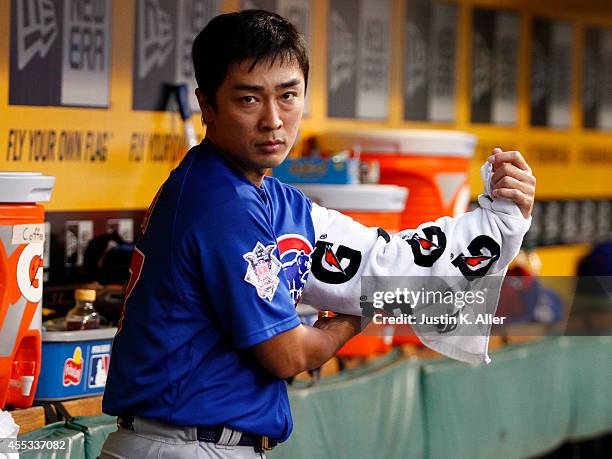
[209, 331]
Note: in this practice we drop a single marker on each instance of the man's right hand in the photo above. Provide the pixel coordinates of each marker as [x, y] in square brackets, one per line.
[341, 322]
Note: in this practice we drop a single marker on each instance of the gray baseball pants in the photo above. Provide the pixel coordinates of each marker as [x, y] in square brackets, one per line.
[162, 441]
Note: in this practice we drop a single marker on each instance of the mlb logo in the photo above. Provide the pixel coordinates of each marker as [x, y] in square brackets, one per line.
[98, 369]
[262, 270]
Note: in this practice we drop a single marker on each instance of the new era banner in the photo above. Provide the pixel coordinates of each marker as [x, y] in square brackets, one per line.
[597, 79]
[60, 52]
[165, 30]
[551, 73]
[358, 59]
[430, 61]
[495, 39]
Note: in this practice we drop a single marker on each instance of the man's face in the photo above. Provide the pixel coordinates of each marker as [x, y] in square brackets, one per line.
[258, 114]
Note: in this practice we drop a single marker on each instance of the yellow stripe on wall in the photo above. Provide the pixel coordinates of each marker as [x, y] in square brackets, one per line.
[111, 179]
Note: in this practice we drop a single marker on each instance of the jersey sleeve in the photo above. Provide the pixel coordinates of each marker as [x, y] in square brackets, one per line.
[238, 275]
[462, 252]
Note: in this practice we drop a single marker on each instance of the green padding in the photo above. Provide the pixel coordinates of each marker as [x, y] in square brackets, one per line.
[530, 399]
[590, 371]
[375, 415]
[96, 429]
[515, 407]
[74, 442]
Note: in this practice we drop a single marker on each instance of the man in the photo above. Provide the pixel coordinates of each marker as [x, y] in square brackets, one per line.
[209, 330]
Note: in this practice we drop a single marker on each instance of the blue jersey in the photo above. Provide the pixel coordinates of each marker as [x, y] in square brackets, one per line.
[218, 269]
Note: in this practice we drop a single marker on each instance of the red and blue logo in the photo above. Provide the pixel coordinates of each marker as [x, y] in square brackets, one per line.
[295, 251]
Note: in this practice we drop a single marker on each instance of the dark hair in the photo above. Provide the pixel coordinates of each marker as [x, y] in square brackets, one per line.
[236, 37]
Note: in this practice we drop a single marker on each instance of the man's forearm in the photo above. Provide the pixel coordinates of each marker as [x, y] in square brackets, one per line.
[323, 343]
[303, 348]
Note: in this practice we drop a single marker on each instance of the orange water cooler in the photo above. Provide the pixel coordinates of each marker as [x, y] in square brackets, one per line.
[371, 205]
[22, 236]
[432, 164]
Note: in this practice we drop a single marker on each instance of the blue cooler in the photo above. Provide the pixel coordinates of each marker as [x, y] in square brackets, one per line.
[317, 170]
[74, 363]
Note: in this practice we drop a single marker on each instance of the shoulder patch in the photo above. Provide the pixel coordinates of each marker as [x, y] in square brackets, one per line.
[295, 251]
[262, 271]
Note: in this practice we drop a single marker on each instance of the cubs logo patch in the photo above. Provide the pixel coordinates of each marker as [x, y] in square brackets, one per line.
[334, 267]
[484, 251]
[263, 269]
[295, 251]
[429, 247]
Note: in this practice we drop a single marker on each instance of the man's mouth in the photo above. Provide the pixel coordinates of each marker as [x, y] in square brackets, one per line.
[271, 146]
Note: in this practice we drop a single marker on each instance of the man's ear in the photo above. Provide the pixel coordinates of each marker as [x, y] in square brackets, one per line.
[205, 107]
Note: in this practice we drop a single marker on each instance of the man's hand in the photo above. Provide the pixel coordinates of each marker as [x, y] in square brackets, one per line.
[512, 179]
[351, 325]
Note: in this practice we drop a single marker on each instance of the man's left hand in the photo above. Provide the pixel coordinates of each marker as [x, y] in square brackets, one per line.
[512, 179]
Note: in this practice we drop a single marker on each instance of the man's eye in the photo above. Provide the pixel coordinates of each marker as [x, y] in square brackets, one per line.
[290, 95]
[248, 99]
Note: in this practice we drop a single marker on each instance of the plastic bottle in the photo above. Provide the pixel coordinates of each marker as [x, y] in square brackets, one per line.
[83, 316]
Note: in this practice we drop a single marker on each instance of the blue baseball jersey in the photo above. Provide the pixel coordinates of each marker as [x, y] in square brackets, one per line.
[218, 269]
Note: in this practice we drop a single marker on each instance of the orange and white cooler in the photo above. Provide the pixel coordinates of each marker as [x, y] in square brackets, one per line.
[432, 164]
[370, 205]
[22, 236]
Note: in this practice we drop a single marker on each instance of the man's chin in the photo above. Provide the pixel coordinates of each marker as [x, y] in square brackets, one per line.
[272, 161]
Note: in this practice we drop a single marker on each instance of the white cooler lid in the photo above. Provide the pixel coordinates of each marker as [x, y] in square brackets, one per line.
[422, 142]
[79, 335]
[25, 187]
[363, 198]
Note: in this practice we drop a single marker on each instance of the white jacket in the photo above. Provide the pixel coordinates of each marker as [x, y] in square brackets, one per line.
[451, 254]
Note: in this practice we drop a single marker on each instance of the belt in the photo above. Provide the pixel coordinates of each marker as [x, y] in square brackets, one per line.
[213, 434]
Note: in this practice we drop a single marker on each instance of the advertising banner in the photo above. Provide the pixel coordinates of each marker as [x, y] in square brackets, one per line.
[60, 53]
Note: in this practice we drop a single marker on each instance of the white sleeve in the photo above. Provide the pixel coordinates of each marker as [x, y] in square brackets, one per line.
[468, 247]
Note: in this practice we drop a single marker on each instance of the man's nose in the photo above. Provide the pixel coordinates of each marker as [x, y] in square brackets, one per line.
[270, 117]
